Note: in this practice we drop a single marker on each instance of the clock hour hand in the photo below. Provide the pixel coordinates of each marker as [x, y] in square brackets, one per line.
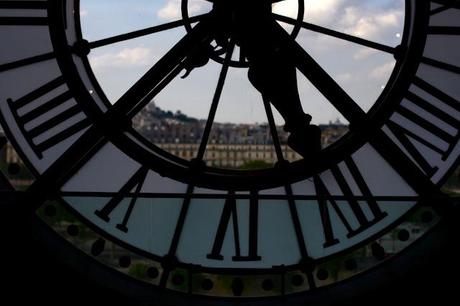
[273, 73]
[198, 59]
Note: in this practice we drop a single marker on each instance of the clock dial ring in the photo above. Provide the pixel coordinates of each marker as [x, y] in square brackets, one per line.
[437, 181]
[122, 145]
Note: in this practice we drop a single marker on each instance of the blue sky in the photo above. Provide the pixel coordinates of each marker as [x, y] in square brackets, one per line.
[359, 70]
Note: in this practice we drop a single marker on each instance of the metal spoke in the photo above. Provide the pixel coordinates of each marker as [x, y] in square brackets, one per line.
[144, 32]
[170, 258]
[49, 182]
[288, 189]
[145, 89]
[320, 78]
[168, 79]
[336, 34]
[215, 102]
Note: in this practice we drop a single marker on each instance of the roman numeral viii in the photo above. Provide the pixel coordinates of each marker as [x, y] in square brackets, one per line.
[47, 116]
[429, 117]
[230, 213]
[134, 184]
[356, 222]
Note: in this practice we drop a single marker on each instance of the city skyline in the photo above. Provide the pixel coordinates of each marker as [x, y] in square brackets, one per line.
[160, 126]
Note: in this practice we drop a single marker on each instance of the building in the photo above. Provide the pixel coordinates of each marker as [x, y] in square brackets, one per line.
[231, 156]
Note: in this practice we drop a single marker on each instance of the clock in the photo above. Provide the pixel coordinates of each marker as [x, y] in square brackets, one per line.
[305, 227]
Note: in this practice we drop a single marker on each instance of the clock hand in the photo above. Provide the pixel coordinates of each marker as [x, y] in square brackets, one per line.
[273, 73]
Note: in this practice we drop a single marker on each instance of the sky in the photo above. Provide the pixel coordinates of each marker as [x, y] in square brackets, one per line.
[361, 71]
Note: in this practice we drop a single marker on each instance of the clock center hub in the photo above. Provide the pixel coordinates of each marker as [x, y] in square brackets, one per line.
[240, 20]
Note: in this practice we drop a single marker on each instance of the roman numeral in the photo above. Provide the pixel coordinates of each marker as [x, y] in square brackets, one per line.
[230, 213]
[31, 13]
[443, 30]
[418, 126]
[27, 61]
[441, 65]
[364, 222]
[134, 183]
[444, 6]
[446, 31]
[52, 128]
[30, 8]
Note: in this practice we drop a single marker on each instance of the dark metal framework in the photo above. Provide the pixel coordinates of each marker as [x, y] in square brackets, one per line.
[113, 124]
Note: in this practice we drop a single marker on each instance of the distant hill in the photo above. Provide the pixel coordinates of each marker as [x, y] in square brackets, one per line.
[161, 114]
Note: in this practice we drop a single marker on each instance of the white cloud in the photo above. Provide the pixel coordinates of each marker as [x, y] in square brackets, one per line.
[383, 71]
[373, 22]
[286, 8]
[364, 53]
[372, 26]
[345, 77]
[127, 57]
[172, 9]
[83, 13]
[322, 11]
[370, 22]
[316, 11]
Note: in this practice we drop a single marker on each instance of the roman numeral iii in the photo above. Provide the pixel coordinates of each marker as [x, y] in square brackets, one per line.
[47, 116]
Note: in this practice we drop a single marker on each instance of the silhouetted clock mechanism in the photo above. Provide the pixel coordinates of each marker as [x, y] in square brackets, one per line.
[186, 230]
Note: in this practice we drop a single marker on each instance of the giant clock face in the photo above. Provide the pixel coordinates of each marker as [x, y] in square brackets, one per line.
[208, 231]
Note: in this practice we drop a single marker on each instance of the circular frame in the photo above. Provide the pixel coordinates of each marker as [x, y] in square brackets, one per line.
[413, 42]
